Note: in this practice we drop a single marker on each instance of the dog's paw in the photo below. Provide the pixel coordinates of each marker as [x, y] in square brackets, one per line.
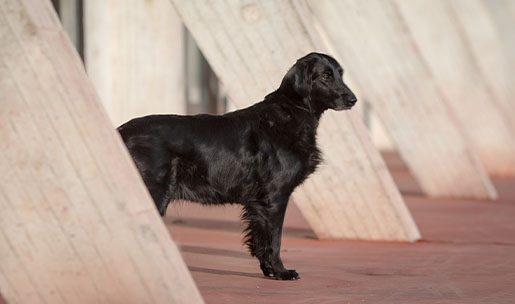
[278, 273]
[287, 274]
[267, 270]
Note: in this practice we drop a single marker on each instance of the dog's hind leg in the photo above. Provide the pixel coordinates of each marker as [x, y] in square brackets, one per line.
[263, 237]
[163, 186]
[158, 193]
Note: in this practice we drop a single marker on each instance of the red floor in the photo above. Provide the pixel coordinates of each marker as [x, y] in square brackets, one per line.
[467, 255]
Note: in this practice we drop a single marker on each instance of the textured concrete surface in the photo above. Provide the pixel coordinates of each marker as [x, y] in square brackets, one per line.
[467, 255]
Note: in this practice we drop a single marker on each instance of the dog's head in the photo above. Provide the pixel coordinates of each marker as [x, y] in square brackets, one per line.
[318, 80]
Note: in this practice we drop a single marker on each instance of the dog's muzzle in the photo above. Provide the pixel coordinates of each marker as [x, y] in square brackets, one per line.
[347, 104]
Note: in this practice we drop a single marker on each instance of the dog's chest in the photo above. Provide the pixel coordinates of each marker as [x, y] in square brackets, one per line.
[295, 164]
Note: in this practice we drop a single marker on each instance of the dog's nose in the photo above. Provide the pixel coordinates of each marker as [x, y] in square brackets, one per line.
[352, 100]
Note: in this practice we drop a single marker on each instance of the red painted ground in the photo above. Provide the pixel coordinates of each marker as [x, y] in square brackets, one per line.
[467, 255]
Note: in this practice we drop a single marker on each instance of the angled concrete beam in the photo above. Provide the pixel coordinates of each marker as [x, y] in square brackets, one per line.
[134, 55]
[502, 14]
[449, 54]
[77, 225]
[487, 46]
[378, 51]
[250, 46]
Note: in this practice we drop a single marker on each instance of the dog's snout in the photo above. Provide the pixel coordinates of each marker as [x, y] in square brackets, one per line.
[350, 99]
[347, 96]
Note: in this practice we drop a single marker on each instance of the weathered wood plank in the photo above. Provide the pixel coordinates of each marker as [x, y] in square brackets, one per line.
[77, 225]
[376, 47]
[442, 41]
[250, 45]
[134, 55]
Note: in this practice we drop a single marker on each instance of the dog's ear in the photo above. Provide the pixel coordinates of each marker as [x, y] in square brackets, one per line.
[298, 79]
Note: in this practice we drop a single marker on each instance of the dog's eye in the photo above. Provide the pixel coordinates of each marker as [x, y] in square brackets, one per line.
[327, 76]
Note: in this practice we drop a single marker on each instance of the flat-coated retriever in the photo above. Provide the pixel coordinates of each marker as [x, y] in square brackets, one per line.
[254, 156]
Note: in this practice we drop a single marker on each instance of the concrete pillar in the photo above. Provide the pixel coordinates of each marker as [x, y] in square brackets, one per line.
[77, 225]
[134, 56]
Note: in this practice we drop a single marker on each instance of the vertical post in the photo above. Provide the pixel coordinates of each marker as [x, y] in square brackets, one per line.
[134, 56]
[70, 13]
[202, 88]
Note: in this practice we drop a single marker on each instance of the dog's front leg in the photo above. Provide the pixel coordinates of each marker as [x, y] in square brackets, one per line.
[263, 237]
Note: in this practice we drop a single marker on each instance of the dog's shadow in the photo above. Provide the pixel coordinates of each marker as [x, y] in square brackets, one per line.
[232, 226]
[215, 251]
[227, 226]
[219, 252]
[226, 272]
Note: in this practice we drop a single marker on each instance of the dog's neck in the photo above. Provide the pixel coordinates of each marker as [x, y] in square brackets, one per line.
[297, 103]
[301, 120]
[300, 123]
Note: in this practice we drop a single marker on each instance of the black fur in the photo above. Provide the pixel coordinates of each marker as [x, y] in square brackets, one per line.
[255, 156]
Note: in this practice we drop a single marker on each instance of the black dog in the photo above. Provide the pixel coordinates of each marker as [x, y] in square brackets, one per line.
[254, 156]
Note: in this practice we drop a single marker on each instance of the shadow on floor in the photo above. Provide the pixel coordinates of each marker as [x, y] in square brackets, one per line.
[227, 272]
[215, 251]
[231, 226]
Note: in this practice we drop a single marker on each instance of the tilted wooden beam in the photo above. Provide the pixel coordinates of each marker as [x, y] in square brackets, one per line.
[442, 41]
[250, 46]
[376, 47]
[134, 55]
[77, 225]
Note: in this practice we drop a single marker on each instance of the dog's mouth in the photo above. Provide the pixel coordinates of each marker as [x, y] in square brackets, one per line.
[345, 103]
[343, 107]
